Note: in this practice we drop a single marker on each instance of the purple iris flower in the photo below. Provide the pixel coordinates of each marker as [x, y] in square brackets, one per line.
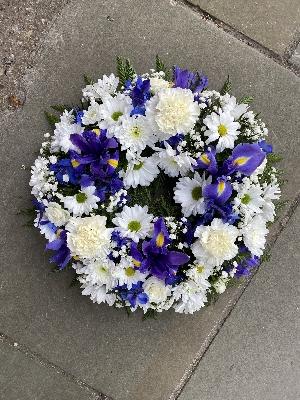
[174, 141]
[266, 147]
[136, 255]
[220, 191]
[186, 79]
[159, 261]
[97, 151]
[245, 158]
[139, 95]
[245, 267]
[62, 256]
[134, 295]
[208, 161]
[64, 167]
[213, 210]
[78, 116]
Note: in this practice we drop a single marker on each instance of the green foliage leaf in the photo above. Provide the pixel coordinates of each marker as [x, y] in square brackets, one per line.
[160, 66]
[226, 87]
[51, 118]
[150, 313]
[88, 80]
[125, 70]
[247, 100]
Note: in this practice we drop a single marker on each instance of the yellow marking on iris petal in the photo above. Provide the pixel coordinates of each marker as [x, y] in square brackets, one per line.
[241, 161]
[58, 232]
[160, 239]
[97, 131]
[75, 258]
[204, 158]
[136, 263]
[221, 187]
[75, 163]
[112, 162]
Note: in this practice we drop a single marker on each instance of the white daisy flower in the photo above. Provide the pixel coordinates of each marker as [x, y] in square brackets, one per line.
[97, 272]
[98, 293]
[140, 172]
[112, 110]
[62, 132]
[271, 192]
[254, 234]
[188, 193]
[92, 114]
[249, 199]
[229, 104]
[56, 214]
[83, 202]
[173, 111]
[134, 222]
[126, 274]
[103, 87]
[200, 273]
[174, 164]
[222, 128]
[88, 237]
[189, 297]
[135, 133]
[215, 243]
[220, 285]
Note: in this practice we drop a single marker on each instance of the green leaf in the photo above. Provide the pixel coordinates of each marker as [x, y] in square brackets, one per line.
[125, 70]
[88, 80]
[51, 118]
[226, 87]
[160, 66]
[247, 100]
[61, 108]
[150, 313]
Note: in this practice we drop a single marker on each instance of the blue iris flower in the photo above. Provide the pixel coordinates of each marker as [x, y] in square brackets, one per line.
[134, 295]
[186, 79]
[62, 255]
[266, 147]
[245, 267]
[245, 158]
[139, 95]
[65, 167]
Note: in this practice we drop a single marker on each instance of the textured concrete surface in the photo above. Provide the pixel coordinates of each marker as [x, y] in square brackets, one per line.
[126, 358]
[23, 23]
[296, 56]
[257, 353]
[22, 378]
[272, 23]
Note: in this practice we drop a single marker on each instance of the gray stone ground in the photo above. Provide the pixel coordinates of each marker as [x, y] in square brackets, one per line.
[68, 348]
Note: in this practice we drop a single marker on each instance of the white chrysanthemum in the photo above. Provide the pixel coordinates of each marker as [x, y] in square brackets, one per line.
[39, 177]
[135, 133]
[254, 234]
[103, 87]
[220, 285]
[98, 294]
[126, 274]
[221, 128]
[83, 202]
[215, 243]
[141, 172]
[157, 291]
[62, 132]
[189, 297]
[56, 214]
[88, 237]
[134, 222]
[174, 164]
[188, 193]
[97, 272]
[112, 110]
[92, 114]
[173, 111]
[229, 104]
[157, 84]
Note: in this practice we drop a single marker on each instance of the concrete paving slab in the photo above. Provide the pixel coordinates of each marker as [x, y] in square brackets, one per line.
[22, 378]
[272, 23]
[256, 355]
[296, 56]
[126, 358]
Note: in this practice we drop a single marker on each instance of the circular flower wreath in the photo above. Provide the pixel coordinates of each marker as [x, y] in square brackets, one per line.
[156, 190]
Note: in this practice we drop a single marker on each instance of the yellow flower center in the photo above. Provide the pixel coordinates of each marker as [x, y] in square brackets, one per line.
[129, 271]
[222, 130]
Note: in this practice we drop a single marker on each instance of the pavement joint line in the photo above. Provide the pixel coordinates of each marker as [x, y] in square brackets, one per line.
[283, 60]
[48, 364]
[231, 305]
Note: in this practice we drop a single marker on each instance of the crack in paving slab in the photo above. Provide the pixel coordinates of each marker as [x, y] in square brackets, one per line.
[284, 61]
[216, 329]
[47, 364]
